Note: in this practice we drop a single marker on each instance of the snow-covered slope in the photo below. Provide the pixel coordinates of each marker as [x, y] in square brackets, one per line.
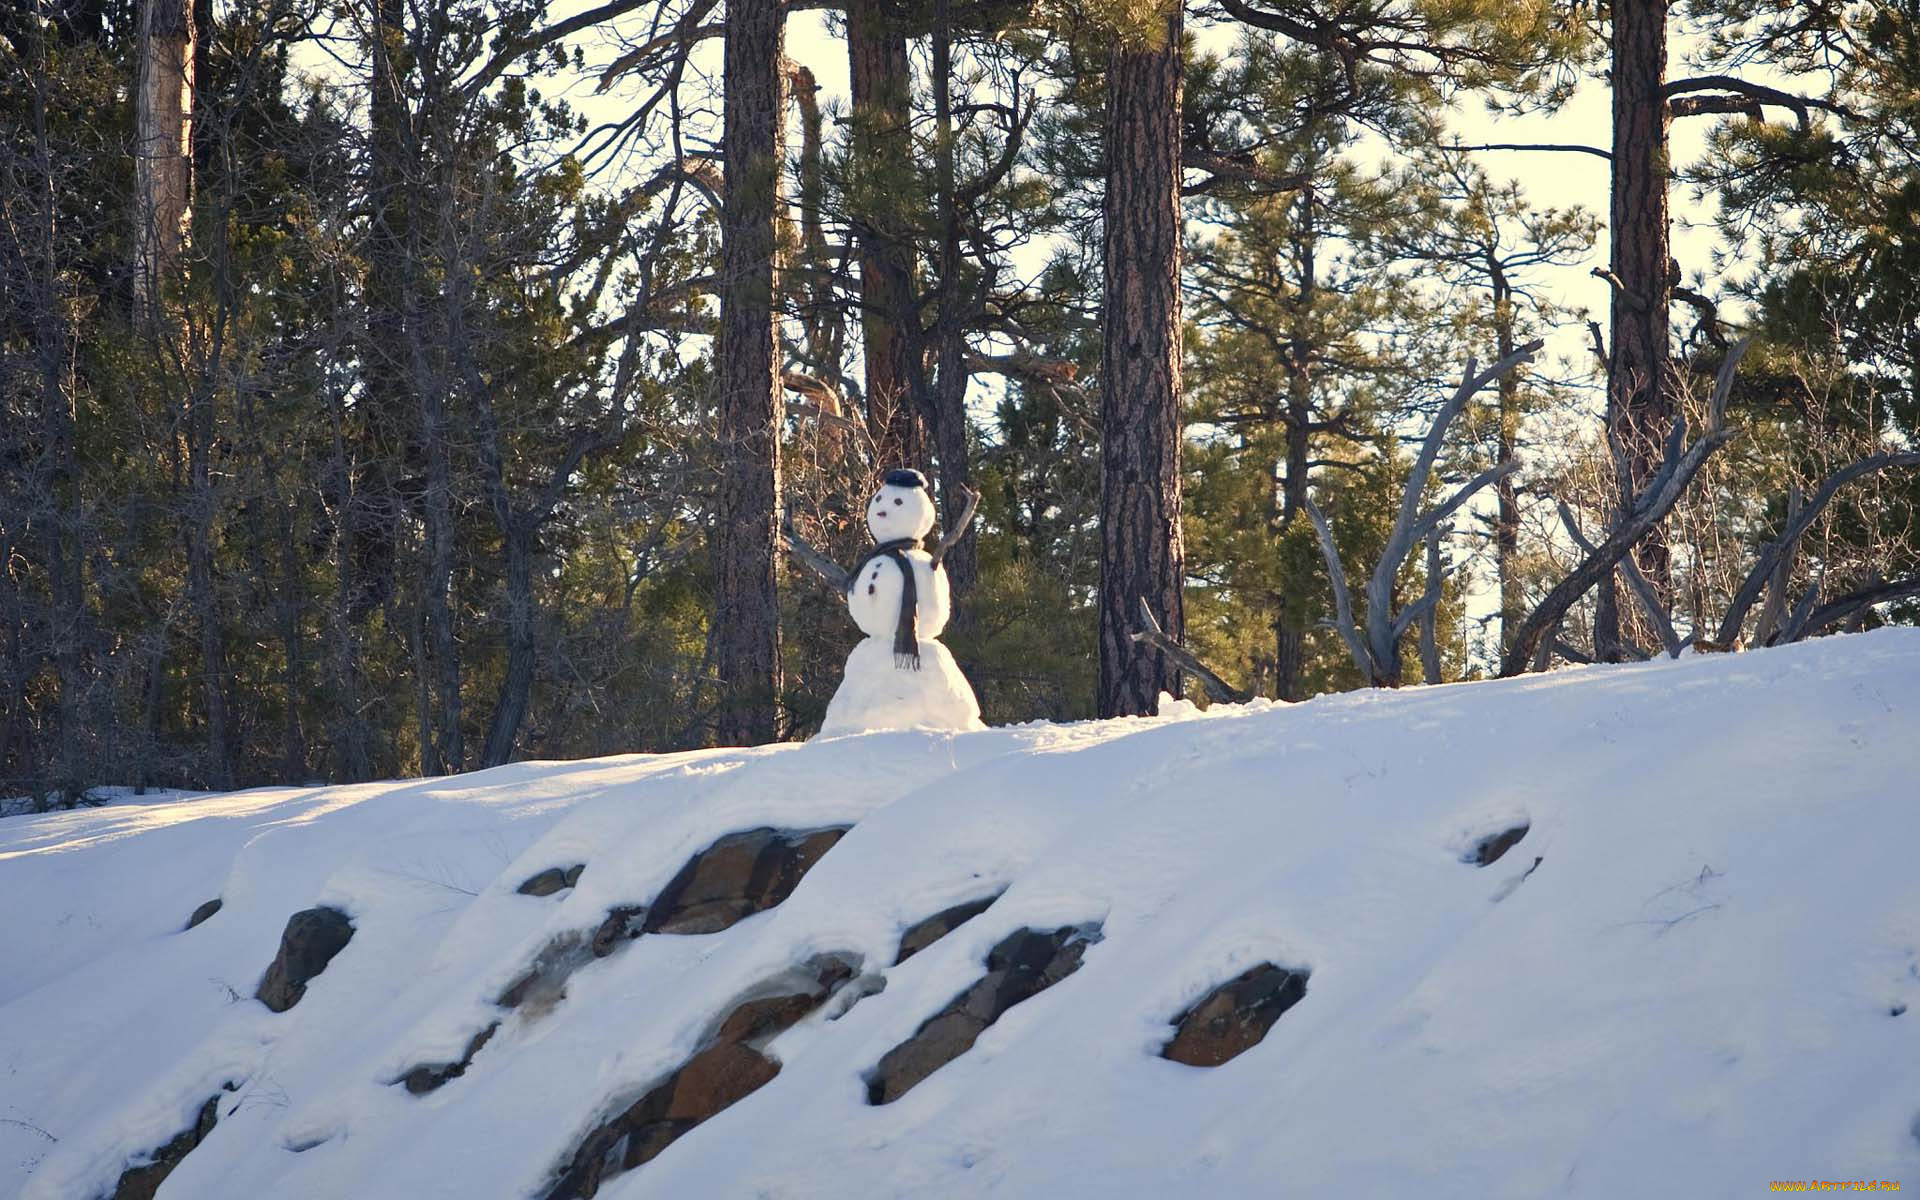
[1699, 971]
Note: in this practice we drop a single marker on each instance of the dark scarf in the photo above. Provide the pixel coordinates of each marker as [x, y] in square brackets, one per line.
[906, 633]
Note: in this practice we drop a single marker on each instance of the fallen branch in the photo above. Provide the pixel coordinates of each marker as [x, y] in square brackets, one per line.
[1217, 689]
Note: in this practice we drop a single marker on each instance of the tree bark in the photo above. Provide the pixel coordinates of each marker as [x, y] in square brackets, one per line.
[387, 409]
[517, 686]
[1141, 550]
[162, 150]
[1639, 386]
[1290, 638]
[950, 390]
[1506, 515]
[746, 628]
[881, 82]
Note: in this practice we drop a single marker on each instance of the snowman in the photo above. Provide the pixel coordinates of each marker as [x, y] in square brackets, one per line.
[899, 676]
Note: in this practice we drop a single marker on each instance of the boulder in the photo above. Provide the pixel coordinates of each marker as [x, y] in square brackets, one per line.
[728, 1067]
[1488, 850]
[925, 933]
[203, 912]
[551, 880]
[1024, 964]
[737, 876]
[429, 1076]
[312, 937]
[142, 1181]
[624, 923]
[1232, 1018]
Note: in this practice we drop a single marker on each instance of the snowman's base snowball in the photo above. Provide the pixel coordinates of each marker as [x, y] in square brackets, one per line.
[875, 694]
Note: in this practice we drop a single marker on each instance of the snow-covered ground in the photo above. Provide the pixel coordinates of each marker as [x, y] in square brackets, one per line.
[1709, 981]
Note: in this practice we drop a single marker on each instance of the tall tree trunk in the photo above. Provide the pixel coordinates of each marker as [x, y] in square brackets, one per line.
[1506, 516]
[387, 410]
[1639, 390]
[950, 389]
[348, 726]
[162, 150]
[436, 598]
[1290, 637]
[202, 597]
[746, 619]
[517, 686]
[882, 147]
[1141, 549]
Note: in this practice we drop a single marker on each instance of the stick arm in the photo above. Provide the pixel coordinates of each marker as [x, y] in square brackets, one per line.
[821, 565]
[953, 536]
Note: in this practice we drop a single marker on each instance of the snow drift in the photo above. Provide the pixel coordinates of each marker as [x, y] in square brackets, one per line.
[1695, 972]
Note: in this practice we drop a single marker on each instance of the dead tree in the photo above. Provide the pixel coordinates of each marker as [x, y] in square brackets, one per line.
[1775, 563]
[1678, 466]
[1217, 689]
[1377, 651]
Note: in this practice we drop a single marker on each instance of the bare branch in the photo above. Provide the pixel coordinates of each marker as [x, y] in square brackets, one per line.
[1636, 582]
[950, 538]
[1797, 525]
[1383, 631]
[1853, 602]
[828, 570]
[1661, 494]
[1342, 601]
[1217, 688]
[1429, 608]
[1558, 147]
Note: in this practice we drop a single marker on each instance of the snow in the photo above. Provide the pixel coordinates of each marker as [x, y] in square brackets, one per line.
[1693, 991]
[876, 694]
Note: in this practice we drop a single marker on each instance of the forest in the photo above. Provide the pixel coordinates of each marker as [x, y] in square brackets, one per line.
[404, 387]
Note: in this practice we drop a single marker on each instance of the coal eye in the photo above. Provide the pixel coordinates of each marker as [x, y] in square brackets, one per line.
[897, 502]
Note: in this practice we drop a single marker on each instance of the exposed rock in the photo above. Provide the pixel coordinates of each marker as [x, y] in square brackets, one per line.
[545, 981]
[312, 937]
[428, 1076]
[1022, 966]
[1233, 1017]
[728, 1068]
[737, 876]
[141, 1182]
[918, 937]
[624, 923]
[551, 880]
[1488, 850]
[203, 912]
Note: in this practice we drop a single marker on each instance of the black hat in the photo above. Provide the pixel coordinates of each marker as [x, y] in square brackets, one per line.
[906, 477]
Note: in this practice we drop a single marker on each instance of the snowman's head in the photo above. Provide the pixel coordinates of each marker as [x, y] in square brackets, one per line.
[901, 508]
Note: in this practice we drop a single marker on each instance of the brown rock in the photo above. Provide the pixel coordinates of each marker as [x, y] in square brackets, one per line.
[551, 880]
[759, 1018]
[141, 1182]
[1024, 964]
[624, 923]
[725, 1071]
[1488, 850]
[1233, 1017]
[716, 1078]
[428, 1076]
[737, 876]
[312, 937]
[918, 937]
[203, 912]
